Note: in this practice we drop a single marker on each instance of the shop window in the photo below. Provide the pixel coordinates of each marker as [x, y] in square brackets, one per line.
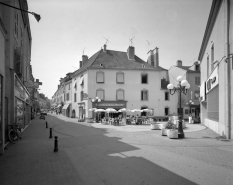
[120, 94]
[144, 95]
[100, 77]
[67, 97]
[100, 94]
[120, 77]
[144, 78]
[213, 104]
[186, 111]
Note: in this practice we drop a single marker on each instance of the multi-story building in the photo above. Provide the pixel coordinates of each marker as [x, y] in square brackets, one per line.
[18, 76]
[121, 80]
[3, 34]
[192, 75]
[216, 69]
[66, 109]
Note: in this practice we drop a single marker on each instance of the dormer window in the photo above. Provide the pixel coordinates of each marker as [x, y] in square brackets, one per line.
[197, 67]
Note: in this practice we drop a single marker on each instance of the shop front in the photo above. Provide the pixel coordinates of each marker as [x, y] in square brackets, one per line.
[82, 110]
[66, 110]
[117, 105]
[22, 104]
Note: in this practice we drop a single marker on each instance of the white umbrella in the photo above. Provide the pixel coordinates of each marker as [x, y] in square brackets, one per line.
[146, 110]
[92, 109]
[111, 110]
[122, 110]
[136, 110]
[100, 110]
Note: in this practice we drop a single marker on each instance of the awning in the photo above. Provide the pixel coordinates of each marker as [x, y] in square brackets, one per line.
[81, 81]
[65, 106]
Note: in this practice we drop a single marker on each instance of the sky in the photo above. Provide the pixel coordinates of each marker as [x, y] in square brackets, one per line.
[69, 28]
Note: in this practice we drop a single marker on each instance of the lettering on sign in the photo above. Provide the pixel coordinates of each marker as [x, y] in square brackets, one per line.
[209, 84]
[213, 80]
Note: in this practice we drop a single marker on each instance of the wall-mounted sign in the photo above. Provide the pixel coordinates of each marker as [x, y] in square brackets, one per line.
[203, 92]
[212, 81]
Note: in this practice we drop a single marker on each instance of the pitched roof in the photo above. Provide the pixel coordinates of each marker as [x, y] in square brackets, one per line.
[187, 68]
[116, 60]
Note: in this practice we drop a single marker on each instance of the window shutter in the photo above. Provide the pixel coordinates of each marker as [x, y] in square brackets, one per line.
[100, 77]
[120, 95]
[120, 77]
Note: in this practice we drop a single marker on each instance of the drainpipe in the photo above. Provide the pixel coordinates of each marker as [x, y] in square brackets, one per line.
[228, 72]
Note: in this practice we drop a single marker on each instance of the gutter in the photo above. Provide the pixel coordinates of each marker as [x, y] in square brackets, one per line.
[228, 71]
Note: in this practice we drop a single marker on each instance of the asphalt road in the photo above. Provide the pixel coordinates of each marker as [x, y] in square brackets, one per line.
[89, 155]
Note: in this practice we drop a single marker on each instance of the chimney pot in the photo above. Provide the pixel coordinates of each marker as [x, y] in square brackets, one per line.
[179, 63]
[84, 59]
[105, 46]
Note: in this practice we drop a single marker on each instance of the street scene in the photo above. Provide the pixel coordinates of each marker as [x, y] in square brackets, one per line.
[130, 92]
[91, 153]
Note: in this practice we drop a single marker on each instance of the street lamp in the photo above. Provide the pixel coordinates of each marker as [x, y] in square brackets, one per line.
[96, 100]
[182, 87]
[37, 16]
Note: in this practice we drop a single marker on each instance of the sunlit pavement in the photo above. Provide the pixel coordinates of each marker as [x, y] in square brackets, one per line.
[90, 155]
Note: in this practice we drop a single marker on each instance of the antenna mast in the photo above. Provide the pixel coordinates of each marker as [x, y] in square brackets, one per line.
[148, 45]
[107, 40]
[131, 41]
[83, 50]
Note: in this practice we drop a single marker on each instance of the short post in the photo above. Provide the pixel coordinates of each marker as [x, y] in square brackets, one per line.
[55, 144]
[50, 136]
[46, 124]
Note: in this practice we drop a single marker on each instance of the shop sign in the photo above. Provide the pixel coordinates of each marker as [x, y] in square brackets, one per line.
[212, 81]
[111, 104]
[85, 96]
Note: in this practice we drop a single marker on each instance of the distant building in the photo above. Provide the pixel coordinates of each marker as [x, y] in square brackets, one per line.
[121, 80]
[192, 75]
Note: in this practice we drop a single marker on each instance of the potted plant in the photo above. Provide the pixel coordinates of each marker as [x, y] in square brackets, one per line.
[169, 125]
[172, 133]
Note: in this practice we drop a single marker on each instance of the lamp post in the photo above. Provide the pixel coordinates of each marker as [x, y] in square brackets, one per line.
[182, 87]
[96, 100]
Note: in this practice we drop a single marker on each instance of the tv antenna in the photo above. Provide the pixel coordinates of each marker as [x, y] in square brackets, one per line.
[131, 41]
[107, 40]
[83, 50]
[148, 45]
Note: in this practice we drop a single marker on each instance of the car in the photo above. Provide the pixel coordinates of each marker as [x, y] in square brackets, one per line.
[44, 113]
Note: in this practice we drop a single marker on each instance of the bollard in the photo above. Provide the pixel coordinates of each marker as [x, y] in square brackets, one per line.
[55, 144]
[46, 124]
[50, 133]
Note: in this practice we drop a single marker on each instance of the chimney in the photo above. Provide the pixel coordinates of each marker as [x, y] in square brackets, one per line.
[130, 52]
[157, 57]
[105, 46]
[84, 59]
[151, 58]
[179, 63]
[80, 64]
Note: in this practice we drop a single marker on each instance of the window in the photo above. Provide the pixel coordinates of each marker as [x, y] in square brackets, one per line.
[120, 77]
[144, 95]
[208, 64]
[100, 94]
[212, 57]
[167, 96]
[69, 87]
[186, 111]
[67, 97]
[196, 94]
[16, 25]
[120, 94]
[197, 67]
[144, 78]
[197, 80]
[75, 97]
[81, 81]
[166, 111]
[81, 96]
[100, 77]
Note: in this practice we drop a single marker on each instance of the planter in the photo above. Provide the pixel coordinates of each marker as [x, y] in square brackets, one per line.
[172, 134]
[154, 126]
[164, 132]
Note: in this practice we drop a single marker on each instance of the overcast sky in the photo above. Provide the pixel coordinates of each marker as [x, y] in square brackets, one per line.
[66, 27]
